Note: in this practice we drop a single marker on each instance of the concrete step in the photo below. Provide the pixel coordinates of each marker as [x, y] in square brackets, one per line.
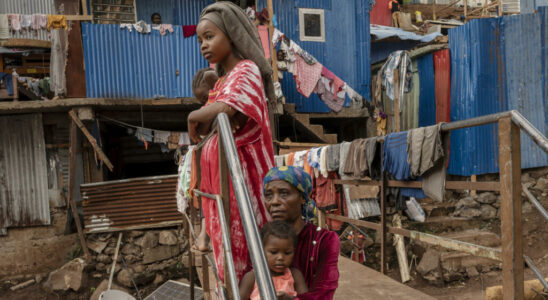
[445, 224]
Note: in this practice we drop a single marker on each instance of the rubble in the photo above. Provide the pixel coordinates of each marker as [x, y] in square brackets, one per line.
[541, 185]
[149, 240]
[103, 287]
[488, 212]
[487, 198]
[69, 276]
[167, 237]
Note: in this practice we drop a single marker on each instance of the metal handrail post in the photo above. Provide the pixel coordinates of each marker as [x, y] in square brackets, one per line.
[258, 259]
[229, 261]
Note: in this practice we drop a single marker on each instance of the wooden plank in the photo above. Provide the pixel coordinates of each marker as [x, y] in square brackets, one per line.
[473, 178]
[74, 68]
[91, 140]
[79, 18]
[84, 7]
[370, 225]
[26, 43]
[511, 219]
[273, 54]
[384, 262]
[72, 185]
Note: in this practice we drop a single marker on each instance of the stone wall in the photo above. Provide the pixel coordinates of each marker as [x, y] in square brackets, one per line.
[151, 256]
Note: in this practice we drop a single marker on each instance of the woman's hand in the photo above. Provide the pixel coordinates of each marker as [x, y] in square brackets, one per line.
[284, 296]
[193, 132]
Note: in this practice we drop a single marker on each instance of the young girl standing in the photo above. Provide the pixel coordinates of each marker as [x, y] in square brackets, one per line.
[229, 40]
[279, 242]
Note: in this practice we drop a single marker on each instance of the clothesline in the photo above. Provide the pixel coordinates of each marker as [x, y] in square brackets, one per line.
[311, 76]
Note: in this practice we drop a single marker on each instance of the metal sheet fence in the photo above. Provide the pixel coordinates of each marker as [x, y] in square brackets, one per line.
[131, 203]
[496, 65]
[23, 172]
[123, 64]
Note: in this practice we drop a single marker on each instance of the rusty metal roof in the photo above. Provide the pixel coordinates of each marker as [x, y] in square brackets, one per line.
[130, 204]
[23, 172]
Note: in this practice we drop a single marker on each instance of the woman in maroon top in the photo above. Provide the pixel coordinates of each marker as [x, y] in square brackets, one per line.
[286, 191]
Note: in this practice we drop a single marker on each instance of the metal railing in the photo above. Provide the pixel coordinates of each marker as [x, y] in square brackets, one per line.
[228, 159]
[511, 252]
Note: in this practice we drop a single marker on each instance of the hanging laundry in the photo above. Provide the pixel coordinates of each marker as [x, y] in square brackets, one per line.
[373, 155]
[290, 161]
[398, 59]
[299, 158]
[314, 157]
[424, 149]
[380, 119]
[183, 182]
[15, 22]
[189, 30]
[324, 88]
[395, 162]
[356, 160]
[194, 178]
[306, 75]
[142, 27]
[276, 37]
[307, 57]
[39, 21]
[127, 26]
[323, 162]
[26, 22]
[8, 82]
[4, 27]
[352, 94]
[164, 28]
[280, 160]
[332, 154]
[184, 139]
[161, 136]
[173, 140]
[57, 22]
[325, 192]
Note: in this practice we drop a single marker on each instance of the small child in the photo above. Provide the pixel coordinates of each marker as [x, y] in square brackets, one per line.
[204, 80]
[279, 242]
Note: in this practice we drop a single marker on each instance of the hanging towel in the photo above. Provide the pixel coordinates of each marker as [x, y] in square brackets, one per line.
[189, 30]
[127, 26]
[57, 22]
[161, 136]
[332, 154]
[314, 157]
[4, 27]
[15, 22]
[299, 158]
[26, 22]
[184, 139]
[39, 21]
[306, 75]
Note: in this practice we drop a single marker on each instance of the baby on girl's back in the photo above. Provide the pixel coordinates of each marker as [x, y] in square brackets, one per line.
[279, 242]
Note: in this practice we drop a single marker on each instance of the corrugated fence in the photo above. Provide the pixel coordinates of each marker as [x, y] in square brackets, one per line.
[123, 64]
[497, 65]
[28, 7]
[23, 172]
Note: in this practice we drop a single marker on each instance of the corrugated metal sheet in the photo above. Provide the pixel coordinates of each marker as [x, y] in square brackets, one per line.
[442, 69]
[123, 64]
[23, 172]
[427, 112]
[130, 203]
[381, 14]
[496, 65]
[410, 104]
[345, 52]
[28, 7]
[180, 12]
[187, 12]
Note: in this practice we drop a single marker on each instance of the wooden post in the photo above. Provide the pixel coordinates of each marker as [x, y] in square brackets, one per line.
[72, 184]
[84, 7]
[270, 9]
[224, 184]
[434, 10]
[500, 8]
[473, 179]
[397, 125]
[14, 83]
[511, 223]
[383, 217]
[465, 9]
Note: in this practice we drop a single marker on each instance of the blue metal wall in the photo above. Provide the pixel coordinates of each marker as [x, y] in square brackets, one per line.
[345, 51]
[123, 64]
[427, 82]
[180, 12]
[496, 65]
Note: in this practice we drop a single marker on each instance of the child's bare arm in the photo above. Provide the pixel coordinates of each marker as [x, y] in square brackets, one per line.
[246, 285]
[300, 284]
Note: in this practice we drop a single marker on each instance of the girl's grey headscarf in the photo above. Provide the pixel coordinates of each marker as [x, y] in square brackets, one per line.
[243, 34]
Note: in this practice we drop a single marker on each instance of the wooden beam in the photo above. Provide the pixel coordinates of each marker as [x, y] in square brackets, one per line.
[84, 7]
[26, 43]
[91, 140]
[384, 262]
[79, 18]
[449, 185]
[511, 219]
[72, 185]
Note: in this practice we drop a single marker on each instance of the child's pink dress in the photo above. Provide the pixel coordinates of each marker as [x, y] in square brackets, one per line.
[284, 283]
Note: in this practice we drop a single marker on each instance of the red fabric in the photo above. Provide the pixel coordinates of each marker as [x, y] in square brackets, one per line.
[189, 30]
[328, 197]
[442, 76]
[263, 34]
[318, 262]
[242, 90]
[284, 283]
[381, 14]
[306, 75]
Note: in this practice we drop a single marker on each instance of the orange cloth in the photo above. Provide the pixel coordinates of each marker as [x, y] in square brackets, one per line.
[57, 22]
[290, 159]
[284, 283]
[307, 168]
